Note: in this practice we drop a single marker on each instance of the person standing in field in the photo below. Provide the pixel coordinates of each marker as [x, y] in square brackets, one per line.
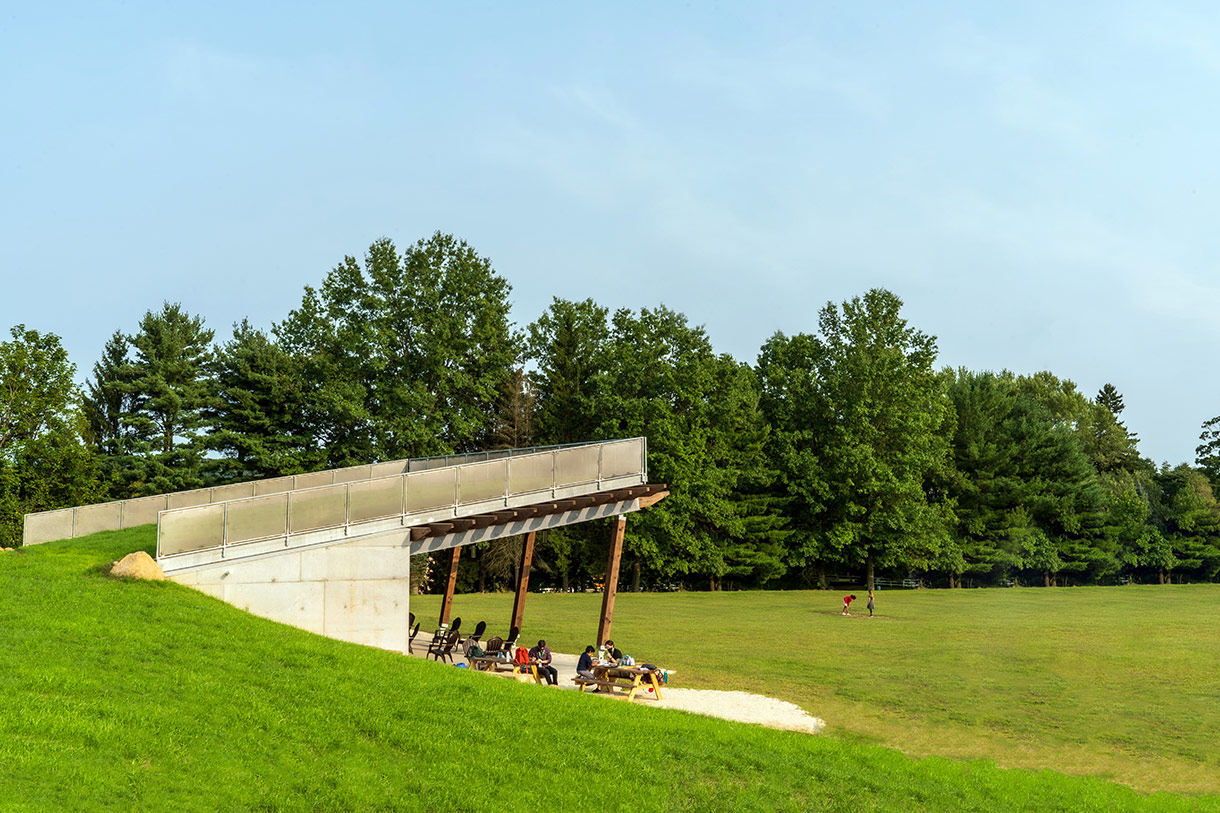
[870, 603]
[847, 600]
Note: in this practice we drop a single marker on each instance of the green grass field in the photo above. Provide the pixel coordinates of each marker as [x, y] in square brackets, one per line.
[150, 696]
[1115, 682]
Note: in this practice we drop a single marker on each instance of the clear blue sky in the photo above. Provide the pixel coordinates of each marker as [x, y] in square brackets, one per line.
[1038, 185]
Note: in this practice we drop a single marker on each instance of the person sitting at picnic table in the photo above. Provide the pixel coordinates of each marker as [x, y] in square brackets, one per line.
[607, 652]
[542, 657]
[584, 666]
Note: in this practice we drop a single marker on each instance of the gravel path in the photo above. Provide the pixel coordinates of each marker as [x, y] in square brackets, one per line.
[742, 707]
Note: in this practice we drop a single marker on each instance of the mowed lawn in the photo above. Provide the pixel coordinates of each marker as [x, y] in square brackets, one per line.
[1114, 682]
[151, 696]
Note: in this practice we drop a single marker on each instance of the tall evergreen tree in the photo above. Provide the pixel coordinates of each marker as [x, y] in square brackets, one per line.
[1110, 398]
[568, 344]
[1190, 515]
[169, 383]
[258, 421]
[108, 404]
[513, 422]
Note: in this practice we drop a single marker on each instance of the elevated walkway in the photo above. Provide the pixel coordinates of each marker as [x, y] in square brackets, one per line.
[430, 509]
[330, 551]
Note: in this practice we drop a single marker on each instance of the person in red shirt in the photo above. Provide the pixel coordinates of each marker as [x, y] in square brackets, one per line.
[847, 600]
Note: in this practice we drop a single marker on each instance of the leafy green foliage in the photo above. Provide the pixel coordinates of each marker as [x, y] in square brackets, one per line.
[705, 432]
[44, 462]
[1207, 453]
[872, 413]
[407, 354]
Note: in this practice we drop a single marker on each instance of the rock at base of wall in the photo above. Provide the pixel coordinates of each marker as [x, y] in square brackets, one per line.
[138, 565]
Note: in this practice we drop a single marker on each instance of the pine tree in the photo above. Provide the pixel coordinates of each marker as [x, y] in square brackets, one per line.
[169, 386]
[1111, 399]
[568, 343]
[258, 420]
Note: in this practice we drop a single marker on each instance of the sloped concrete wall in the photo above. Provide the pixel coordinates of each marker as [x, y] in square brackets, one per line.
[356, 591]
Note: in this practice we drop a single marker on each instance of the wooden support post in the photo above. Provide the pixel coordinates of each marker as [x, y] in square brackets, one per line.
[611, 586]
[523, 582]
[450, 586]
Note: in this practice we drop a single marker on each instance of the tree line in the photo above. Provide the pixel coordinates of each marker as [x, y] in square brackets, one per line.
[839, 454]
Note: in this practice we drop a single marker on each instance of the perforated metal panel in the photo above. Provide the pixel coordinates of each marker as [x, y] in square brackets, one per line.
[318, 508]
[577, 465]
[620, 459]
[353, 473]
[184, 499]
[199, 528]
[375, 499]
[143, 511]
[431, 489]
[259, 518]
[47, 527]
[94, 518]
[533, 473]
[276, 485]
[482, 481]
[236, 491]
[389, 468]
[313, 479]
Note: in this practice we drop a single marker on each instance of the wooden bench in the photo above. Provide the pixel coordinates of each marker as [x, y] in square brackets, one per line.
[627, 678]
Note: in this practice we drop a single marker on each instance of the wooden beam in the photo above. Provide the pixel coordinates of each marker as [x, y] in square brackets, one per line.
[450, 586]
[611, 586]
[420, 532]
[653, 498]
[523, 581]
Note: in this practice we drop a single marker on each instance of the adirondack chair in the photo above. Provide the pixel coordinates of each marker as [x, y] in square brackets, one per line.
[479, 628]
[511, 642]
[411, 637]
[442, 648]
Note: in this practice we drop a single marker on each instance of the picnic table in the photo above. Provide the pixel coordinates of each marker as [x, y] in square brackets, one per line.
[629, 679]
[492, 663]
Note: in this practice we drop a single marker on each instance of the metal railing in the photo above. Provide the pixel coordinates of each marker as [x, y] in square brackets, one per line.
[256, 525]
[68, 523]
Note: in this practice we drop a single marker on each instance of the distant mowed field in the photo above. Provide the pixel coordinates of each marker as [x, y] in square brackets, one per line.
[1115, 682]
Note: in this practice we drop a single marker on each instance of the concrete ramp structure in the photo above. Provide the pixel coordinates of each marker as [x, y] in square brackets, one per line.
[330, 551]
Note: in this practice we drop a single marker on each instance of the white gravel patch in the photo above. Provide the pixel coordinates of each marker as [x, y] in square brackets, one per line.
[740, 706]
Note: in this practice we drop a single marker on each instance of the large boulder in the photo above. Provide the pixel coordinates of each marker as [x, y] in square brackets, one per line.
[138, 565]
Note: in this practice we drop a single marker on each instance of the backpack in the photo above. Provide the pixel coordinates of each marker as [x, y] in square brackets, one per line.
[475, 652]
[626, 660]
[522, 655]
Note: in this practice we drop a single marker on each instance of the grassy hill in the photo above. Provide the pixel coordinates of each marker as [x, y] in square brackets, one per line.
[128, 695]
